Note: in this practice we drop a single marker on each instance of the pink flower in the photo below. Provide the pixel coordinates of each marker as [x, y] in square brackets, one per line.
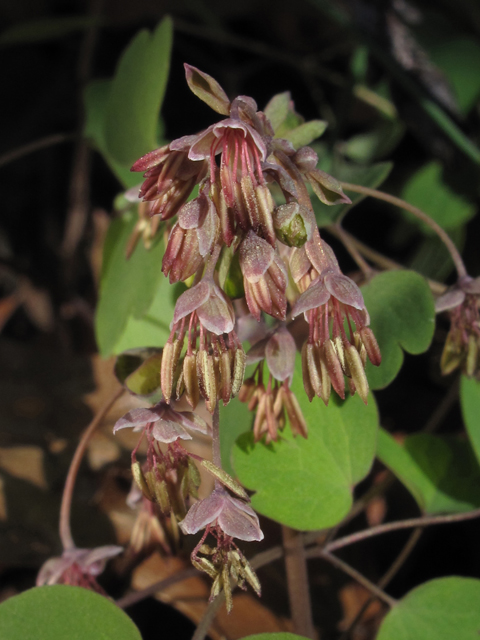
[78, 567]
[233, 516]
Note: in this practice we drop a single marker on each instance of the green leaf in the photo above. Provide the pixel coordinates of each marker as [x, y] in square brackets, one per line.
[372, 145]
[441, 473]
[136, 94]
[307, 484]
[442, 609]
[402, 314]
[95, 100]
[274, 636]
[459, 59]
[470, 403]
[135, 306]
[371, 176]
[46, 29]
[235, 419]
[427, 191]
[62, 612]
[306, 133]
[277, 109]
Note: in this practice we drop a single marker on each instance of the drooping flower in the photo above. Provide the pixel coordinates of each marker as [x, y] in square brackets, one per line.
[462, 347]
[167, 477]
[215, 369]
[330, 301]
[77, 567]
[232, 515]
[170, 176]
[276, 399]
[264, 276]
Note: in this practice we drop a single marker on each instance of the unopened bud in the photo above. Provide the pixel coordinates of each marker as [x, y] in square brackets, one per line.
[170, 358]
[161, 496]
[292, 224]
[371, 346]
[202, 564]
[472, 355]
[207, 379]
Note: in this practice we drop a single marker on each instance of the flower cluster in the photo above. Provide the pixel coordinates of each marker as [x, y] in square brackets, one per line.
[462, 347]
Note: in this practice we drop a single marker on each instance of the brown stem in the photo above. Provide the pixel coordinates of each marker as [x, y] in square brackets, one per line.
[346, 239]
[387, 577]
[42, 143]
[379, 259]
[418, 213]
[297, 582]
[216, 451]
[64, 526]
[360, 578]
[393, 526]
[136, 596]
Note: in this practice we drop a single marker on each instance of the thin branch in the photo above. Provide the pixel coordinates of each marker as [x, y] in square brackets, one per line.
[36, 145]
[64, 525]
[352, 249]
[387, 577]
[359, 577]
[393, 526]
[208, 617]
[297, 582]
[379, 259]
[418, 213]
[137, 596]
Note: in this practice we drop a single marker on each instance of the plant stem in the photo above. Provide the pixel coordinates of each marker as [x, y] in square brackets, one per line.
[360, 578]
[387, 577]
[297, 582]
[346, 239]
[42, 143]
[136, 596]
[64, 525]
[216, 452]
[418, 213]
[392, 526]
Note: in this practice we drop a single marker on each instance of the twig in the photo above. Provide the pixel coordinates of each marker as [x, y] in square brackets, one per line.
[352, 249]
[418, 213]
[447, 402]
[359, 577]
[425, 521]
[297, 582]
[387, 576]
[36, 145]
[79, 191]
[379, 259]
[136, 596]
[208, 617]
[64, 526]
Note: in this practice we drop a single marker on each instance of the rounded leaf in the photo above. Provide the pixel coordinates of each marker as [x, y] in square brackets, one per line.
[62, 612]
[443, 609]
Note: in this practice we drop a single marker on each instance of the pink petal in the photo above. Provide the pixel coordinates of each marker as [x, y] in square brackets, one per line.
[192, 421]
[471, 285]
[190, 300]
[94, 560]
[203, 512]
[257, 352]
[167, 431]
[208, 230]
[321, 255]
[200, 150]
[256, 255]
[280, 354]
[344, 290]
[137, 418]
[239, 520]
[449, 300]
[315, 296]
[216, 313]
[151, 159]
[193, 213]
[183, 143]
[299, 263]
